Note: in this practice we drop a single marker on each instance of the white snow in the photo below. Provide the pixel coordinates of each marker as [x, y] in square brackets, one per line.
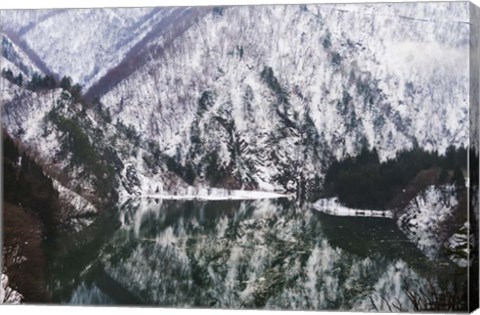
[333, 206]
[7, 294]
[100, 40]
[218, 194]
[17, 60]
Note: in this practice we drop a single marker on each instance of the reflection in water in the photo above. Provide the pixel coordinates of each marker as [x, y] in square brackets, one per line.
[250, 254]
[90, 294]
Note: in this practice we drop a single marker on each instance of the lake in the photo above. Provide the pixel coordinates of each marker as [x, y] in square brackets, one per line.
[273, 254]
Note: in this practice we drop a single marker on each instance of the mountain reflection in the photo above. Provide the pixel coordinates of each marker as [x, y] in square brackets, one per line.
[253, 254]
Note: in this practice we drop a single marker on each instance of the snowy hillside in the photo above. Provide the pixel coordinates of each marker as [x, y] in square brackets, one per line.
[64, 138]
[86, 43]
[258, 97]
[267, 94]
[15, 59]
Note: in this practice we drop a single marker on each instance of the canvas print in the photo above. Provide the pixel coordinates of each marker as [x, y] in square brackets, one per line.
[295, 157]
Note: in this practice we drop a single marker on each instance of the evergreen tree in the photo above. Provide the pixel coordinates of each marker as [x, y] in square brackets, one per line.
[41, 83]
[365, 182]
[19, 79]
[76, 92]
[66, 83]
[7, 74]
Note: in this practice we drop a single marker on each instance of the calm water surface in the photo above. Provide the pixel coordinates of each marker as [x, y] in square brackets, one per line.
[240, 254]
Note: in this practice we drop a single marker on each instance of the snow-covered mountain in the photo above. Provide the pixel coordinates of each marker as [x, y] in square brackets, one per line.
[17, 60]
[256, 96]
[86, 43]
[263, 93]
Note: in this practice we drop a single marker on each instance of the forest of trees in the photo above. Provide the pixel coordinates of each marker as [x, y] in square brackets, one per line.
[8, 74]
[77, 144]
[363, 181]
[31, 215]
[45, 83]
[36, 83]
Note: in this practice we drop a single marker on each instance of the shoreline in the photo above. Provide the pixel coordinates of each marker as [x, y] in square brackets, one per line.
[216, 194]
[331, 206]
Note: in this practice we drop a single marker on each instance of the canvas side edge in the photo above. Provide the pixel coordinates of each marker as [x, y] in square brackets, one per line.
[473, 208]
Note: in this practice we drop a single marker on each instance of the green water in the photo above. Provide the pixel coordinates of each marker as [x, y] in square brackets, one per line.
[270, 254]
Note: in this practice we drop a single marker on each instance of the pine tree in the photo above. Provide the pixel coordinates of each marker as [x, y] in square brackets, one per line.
[19, 79]
[76, 92]
[8, 74]
[66, 83]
